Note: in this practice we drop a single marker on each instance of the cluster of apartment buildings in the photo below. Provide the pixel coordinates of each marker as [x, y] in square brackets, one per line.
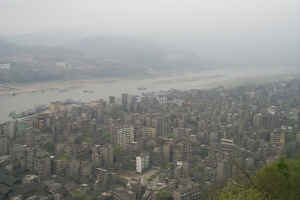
[182, 142]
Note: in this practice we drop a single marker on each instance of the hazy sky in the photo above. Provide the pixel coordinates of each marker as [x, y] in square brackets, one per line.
[150, 16]
[270, 26]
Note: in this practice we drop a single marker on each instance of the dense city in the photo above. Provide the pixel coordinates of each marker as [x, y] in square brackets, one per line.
[171, 144]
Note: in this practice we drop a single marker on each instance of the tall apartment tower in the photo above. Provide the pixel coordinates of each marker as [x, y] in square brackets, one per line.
[125, 99]
[125, 136]
[163, 127]
[142, 163]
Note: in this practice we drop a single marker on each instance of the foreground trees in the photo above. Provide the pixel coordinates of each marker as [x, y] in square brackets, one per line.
[277, 181]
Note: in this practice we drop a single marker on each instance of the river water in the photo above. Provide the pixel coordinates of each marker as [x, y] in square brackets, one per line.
[105, 88]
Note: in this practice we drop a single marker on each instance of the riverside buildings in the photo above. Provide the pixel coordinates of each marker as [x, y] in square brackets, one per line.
[184, 142]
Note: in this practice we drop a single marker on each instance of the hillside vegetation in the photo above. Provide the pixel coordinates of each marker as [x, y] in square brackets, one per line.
[277, 181]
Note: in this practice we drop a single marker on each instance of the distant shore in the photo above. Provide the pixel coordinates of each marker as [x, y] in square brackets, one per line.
[21, 97]
[18, 88]
[221, 80]
[210, 78]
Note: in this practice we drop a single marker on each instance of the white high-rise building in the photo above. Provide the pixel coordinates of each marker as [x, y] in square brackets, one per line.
[142, 163]
[162, 99]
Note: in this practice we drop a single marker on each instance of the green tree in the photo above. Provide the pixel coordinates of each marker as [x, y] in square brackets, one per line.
[77, 195]
[49, 147]
[280, 180]
[277, 181]
[164, 195]
[235, 192]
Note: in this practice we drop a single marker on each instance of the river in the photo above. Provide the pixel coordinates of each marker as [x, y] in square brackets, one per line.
[115, 87]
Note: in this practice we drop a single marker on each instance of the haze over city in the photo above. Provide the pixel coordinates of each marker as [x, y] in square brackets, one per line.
[259, 32]
[149, 100]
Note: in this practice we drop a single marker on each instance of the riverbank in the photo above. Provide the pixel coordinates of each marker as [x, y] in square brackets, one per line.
[207, 78]
[191, 80]
[61, 86]
[31, 95]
